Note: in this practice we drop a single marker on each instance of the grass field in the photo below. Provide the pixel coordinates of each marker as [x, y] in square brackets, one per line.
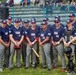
[31, 71]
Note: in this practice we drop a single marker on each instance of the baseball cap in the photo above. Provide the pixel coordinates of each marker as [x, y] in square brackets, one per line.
[20, 20]
[9, 18]
[57, 20]
[69, 21]
[57, 16]
[46, 19]
[16, 20]
[4, 22]
[72, 15]
[26, 21]
[33, 20]
[44, 23]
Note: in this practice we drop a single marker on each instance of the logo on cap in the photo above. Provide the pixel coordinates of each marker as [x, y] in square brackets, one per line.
[4, 22]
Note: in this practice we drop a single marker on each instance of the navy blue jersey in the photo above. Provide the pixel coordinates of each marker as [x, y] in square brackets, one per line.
[9, 26]
[49, 27]
[45, 33]
[16, 32]
[4, 33]
[69, 32]
[33, 34]
[57, 33]
[25, 30]
[74, 24]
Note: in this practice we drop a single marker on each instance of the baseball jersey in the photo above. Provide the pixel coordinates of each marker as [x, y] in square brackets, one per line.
[17, 33]
[45, 33]
[74, 24]
[69, 32]
[57, 34]
[49, 27]
[24, 30]
[9, 26]
[4, 33]
[33, 34]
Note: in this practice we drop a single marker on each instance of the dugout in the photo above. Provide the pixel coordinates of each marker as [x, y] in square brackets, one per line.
[4, 12]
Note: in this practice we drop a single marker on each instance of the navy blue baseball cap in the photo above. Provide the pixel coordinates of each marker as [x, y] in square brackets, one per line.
[45, 19]
[16, 20]
[9, 18]
[44, 23]
[20, 20]
[57, 16]
[72, 15]
[57, 20]
[33, 19]
[26, 21]
[69, 21]
[4, 22]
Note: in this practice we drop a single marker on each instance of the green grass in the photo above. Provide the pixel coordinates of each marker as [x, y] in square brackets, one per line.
[31, 71]
[2, 0]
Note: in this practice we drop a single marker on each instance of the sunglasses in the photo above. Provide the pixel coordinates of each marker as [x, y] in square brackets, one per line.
[56, 22]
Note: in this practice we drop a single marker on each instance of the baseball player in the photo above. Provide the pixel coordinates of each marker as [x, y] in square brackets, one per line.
[32, 38]
[68, 33]
[16, 37]
[7, 53]
[9, 22]
[48, 25]
[60, 22]
[44, 42]
[37, 59]
[72, 17]
[4, 43]
[25, 29]
[58, 48]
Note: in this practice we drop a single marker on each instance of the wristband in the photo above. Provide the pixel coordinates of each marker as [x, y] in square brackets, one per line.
[58, 42]
[33, 42]
[69, 42]
[64, 42]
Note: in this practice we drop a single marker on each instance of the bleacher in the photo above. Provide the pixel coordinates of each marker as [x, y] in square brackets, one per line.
[27, 12]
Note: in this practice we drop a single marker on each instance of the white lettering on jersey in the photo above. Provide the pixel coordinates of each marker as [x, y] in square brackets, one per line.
[17, 32]
[25, 32]
[49, 33]
[55, 33]
[75, 34]
[42, 34]
[57, 36]
[43, 37]
[6, 33]
[32, 34]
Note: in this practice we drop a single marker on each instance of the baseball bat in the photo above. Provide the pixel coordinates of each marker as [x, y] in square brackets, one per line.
[35, 52]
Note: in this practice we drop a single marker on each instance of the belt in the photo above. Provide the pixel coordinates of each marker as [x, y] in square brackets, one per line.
[6, 40]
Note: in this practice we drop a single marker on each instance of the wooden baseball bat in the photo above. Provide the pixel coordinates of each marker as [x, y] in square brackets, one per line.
[35, 52]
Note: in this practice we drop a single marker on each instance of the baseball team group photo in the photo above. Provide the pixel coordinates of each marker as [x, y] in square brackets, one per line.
[37, 37]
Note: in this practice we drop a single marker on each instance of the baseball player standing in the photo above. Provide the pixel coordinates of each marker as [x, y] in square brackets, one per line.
[58, 47]
[32, 38]
[16, 37]
[4, 42]
[25, 29]
[68, 33]
[44, 42]
[7, 53]
[72, 17]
